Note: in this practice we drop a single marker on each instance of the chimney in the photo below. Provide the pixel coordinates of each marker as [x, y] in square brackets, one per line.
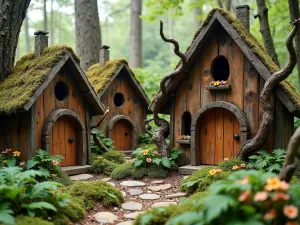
[41, 42]
[104, 55]
[242, 14]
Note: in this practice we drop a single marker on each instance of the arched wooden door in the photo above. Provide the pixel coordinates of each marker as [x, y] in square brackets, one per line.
[219, 136]
[121, 135]
[63, 140]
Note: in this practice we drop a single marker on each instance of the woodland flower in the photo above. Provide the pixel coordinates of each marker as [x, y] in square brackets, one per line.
[270, 215]
[290, 211]
[226, 159]
[149, 160]
[260, 196]
[223, 82]
[243, 165]
[54, 175]
[245, 181]
[236, 167]
[212, 172]
[55, 162]
[145, 152]
[272, 184]
[244, 196]
[155, 153]
[16, 153]
[280, 196]
[284, 186]
[100, 157]
[217, 83]
[4, 161]
[218, 170]
[22, 163]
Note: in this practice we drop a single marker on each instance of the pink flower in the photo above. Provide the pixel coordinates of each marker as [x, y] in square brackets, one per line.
[280, 196]
[260, 196]
[284, 186]
[270, 215]
[226, 159]
[149, 160]
[22, 163]
[290, 211]
[243, 165]
[55, 162]
[245, 181]
[244, 196]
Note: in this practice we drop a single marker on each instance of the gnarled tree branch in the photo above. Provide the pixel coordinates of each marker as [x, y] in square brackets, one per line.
[148, 127]
[97, 140]
[269, 88]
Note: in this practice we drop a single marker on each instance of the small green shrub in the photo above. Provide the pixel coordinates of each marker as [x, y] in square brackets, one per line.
[114, 156]
[145, 138]
[96, 191]
[122, 171]
[26, 220]
[103, 166]
[62, 177]
[230, 163]
[60, 219]
[153, 171]
[108, 143]
[74, 211]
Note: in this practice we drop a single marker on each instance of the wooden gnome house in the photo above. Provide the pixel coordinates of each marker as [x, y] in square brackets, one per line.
[121, 92]
[216, 98]
[47, 102]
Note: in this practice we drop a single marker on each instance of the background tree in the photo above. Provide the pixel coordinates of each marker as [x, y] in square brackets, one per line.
[135, 51]
[88, 36]
[45, 15]
[27, 36]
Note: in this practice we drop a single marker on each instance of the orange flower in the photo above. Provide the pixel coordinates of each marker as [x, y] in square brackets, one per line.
[236, 167]
[218, 170]
[270, 215]
[55, 162]
[149, 160]
[284, 186]
[212, 172]
[223, 82]
[54, 175]
[245, 181]
[226, 159]
[22, 163]
[280, 196]
[291, 223]
[100, 157]
[145, 152]
[243, 165]
[290, 211]
[16, 153]
[217, 83]
[244, 196]
[155, 153]
[272, 184]
[260, 196]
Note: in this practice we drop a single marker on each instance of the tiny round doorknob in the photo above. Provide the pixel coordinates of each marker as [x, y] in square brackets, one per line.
[126, 133]
[71, 140]
[236, 137]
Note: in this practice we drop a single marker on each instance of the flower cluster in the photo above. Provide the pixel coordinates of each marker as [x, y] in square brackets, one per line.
[218, 83]
[147, 156]
[9, 155]
[214, 171]
[184, 137]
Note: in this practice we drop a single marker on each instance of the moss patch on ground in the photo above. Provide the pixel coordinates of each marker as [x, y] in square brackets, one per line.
[114, 156]
[27, 75]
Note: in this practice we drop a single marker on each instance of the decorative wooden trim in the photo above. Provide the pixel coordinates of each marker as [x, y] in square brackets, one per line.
[172, 120]
[226, 87]
[88, 134]
[240, 115]
[183, 142]
[112, 122]
[81, 148]
[32, 134]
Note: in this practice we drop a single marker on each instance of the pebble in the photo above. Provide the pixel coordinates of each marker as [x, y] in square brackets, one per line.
[83, 176]
[176, 195]
[160, 187]
[161, 204]
[157, 182]
[106, 179]
[133, 215]
[115, 209]
[134, 191]
[105, 217]
[132, 183]
[149, 196]
[132, 206]
[185, 177]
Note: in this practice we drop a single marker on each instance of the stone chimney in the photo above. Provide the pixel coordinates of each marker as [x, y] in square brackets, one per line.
[242, 14]
[41, 42]
[103, 54]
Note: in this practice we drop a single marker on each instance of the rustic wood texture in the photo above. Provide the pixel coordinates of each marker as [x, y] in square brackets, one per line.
[122, 135]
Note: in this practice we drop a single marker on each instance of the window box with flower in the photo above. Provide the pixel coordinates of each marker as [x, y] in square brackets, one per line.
[219, 86]
[184, 140]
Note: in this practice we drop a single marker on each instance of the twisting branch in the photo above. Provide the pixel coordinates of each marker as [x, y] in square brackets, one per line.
[269, 88]
[97, 140]
[148, 127]
[177, 52]
[292, 155]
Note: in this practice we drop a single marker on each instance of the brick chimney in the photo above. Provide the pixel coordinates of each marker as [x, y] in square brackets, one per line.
[41, 42]
[103, 54]
[242, 14]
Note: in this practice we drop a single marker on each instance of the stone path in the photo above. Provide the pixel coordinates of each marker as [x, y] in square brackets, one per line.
[83, 176]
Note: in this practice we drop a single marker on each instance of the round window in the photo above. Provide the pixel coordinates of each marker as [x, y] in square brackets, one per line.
[61, 91]
[220, 68]
[119, 99]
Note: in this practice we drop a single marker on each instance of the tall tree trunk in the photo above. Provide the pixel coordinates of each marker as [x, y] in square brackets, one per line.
[27, 36]
[88, 36]
[12, 14]
[45, 15]
[228, 5]
[265, 30]
[135, 51]
[294, 14]
[51, 24]
[197, 13]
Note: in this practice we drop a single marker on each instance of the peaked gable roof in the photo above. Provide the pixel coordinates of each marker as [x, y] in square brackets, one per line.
[252, 49]
[31, 75]
[102, 76]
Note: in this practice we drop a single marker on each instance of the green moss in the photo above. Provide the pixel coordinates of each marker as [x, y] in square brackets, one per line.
[60, 219]
[114, 156]
[26, 220]
[74, 211]
[122, 171]
[27, 75]
[103, 166]
[152, 171]
[96, 191]
[227, 166]
[63, 178]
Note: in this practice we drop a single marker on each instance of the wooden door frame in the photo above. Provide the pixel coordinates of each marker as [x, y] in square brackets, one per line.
[133, 135]
[195, 142]
[81, 147]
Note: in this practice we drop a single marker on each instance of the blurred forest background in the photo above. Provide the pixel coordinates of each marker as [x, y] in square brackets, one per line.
[181, 19]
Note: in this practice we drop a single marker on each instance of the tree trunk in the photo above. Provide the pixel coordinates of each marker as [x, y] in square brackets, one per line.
[265, 30]
[51, 24]
[27, 36]
[135, 50]
[88, 37]
[12, 14]
[45, 15]
[170, 29]
[197, 13]
[294, 14]
[228, 5]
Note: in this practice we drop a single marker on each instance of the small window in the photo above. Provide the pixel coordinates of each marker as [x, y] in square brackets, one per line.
[61, 91]
[119, 99]
[220, 68]
[186, 123]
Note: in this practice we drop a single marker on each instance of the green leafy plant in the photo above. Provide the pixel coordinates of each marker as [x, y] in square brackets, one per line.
[108, 143]
[122, 171]
[145, 138]
[268, 162]
[102, 165]
[232, 164]
[114, 156]
[10, 158]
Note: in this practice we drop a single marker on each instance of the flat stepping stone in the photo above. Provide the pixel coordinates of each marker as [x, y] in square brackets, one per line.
[160, 187]
[111, 183]
[133, 215]
[149, 196]
[162, 204]
[131, 206]
[105, 217]
[157, 182]
[83, 176]
[177, 195]
[106, 179]
[185, 177]
[135, 191]
[129, 222]
[123, 193]
[132, 183]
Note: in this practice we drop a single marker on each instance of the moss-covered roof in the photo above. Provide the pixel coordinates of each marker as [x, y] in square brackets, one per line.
[27, 75]
[255, 47]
